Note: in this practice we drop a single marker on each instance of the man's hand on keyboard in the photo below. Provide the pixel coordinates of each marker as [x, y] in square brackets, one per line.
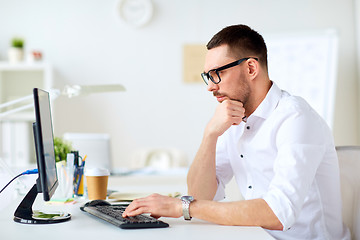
[157, 205]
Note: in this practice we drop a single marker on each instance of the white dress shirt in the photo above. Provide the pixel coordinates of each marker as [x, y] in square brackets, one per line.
[284, 153]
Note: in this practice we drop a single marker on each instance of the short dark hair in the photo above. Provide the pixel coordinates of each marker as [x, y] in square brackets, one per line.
[242, 42]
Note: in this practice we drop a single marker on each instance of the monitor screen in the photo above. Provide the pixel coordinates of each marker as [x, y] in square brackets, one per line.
[44, 144]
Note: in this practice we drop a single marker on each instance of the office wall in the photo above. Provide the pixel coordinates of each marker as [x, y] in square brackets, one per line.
[88, 44]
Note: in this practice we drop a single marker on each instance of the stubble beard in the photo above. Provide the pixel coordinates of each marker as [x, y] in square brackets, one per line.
[242, 95]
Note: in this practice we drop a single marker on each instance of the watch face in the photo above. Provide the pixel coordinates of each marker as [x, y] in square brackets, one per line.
[187, 198]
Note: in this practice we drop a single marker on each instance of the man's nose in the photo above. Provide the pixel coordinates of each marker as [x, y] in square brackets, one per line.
[212, 86]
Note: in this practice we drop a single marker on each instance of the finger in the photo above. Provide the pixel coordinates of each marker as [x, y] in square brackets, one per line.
[127, 211]
[236, 102]
[138, 211]
[137, 203]
[155, 216]
[238, 113]
[233, 105]
[237, 105]
[135, 211]
[237, 120]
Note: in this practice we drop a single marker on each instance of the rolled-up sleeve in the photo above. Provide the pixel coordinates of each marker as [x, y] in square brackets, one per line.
[301, 149]
[295, 169]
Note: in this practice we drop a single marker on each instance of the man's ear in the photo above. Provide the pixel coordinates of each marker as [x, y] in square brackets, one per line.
[253, 68]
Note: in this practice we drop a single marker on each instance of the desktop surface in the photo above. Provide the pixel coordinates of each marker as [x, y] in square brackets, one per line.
[86, 226]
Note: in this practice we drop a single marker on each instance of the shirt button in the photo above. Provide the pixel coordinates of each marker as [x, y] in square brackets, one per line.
[241, 155]
[248, 127]
[250, 187]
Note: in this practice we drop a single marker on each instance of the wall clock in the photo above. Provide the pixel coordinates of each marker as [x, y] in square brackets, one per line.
[135, 12]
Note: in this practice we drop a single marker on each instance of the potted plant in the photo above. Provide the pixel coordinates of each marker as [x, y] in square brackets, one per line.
[62, 148]
[16, 51]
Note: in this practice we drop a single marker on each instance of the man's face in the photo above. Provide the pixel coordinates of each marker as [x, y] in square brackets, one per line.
[234, 83]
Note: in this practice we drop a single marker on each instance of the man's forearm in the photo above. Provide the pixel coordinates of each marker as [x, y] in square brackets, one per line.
[254, 212]
[201, 178]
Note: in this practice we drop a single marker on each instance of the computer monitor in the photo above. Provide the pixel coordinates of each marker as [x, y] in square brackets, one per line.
[47, 180]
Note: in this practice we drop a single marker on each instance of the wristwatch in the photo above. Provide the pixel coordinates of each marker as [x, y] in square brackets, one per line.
[186, 200]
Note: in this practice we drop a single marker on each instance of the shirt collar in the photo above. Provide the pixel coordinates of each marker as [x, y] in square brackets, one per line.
[269, 103]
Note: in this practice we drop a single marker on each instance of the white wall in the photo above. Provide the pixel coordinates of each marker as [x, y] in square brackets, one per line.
[87, 44]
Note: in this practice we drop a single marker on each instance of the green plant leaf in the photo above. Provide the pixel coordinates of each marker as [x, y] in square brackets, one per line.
[62, 148]
[17, 42]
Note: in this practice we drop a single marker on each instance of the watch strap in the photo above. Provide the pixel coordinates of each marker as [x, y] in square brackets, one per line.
[186, 200]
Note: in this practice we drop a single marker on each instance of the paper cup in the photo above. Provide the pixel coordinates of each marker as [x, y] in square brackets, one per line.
[97, 181]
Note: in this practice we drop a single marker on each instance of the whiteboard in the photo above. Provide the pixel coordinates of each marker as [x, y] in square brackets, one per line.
[305, 64]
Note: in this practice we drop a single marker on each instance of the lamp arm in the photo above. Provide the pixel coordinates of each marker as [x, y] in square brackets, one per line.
[13, 102]
[69, 91]
[19, 109]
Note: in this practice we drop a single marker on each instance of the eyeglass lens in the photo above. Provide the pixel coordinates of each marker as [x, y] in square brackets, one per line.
[211, 76]
[214, 76]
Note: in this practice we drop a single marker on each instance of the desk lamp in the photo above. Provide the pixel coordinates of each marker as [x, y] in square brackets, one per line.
[69, 91]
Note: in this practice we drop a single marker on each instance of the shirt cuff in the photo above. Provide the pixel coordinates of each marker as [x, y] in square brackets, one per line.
[278, 206]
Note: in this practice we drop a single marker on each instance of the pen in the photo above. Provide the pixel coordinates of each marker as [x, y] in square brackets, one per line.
[78, 182]
[83, 161]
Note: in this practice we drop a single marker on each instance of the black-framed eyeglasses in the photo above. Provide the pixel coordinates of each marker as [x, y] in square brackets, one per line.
[214, 75]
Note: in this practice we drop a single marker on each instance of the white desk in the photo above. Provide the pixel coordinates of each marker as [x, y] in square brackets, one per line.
[84, 226]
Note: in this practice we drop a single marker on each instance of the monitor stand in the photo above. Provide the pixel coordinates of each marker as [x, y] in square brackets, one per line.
[25, 214]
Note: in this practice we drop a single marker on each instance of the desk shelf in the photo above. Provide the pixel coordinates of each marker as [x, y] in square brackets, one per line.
[16, 81]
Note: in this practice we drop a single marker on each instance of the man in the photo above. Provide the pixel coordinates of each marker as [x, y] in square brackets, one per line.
[277, 147]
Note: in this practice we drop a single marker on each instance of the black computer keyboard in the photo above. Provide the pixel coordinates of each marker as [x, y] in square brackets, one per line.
[113, 215]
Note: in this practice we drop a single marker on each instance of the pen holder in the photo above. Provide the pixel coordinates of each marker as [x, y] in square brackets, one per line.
[79, 181]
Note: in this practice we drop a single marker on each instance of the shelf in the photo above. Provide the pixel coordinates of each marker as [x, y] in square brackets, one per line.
[24, 66]
[16, 82]
[18, 79]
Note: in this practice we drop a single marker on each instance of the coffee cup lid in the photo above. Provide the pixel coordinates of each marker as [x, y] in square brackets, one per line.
[97, 172]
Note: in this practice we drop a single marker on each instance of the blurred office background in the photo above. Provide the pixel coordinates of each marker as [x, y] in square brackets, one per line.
[86, 42]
